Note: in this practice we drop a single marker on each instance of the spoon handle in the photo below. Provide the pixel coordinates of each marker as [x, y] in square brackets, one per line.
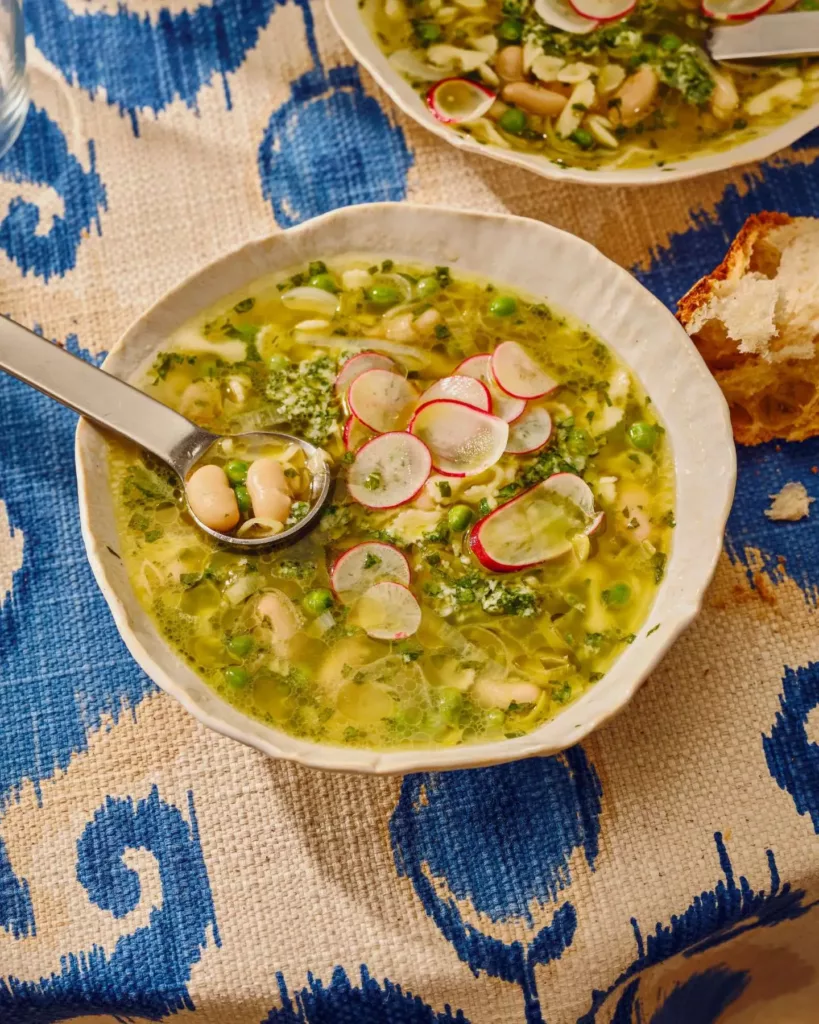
[100, 397]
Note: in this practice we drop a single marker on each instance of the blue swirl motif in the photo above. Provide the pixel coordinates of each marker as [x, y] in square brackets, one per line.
[370, 1003]
[329, 145]
[41, 157]
[500, 840]
[145, 62]
[99, 982]
[712, 919]
[63, 667]
[763, 469]
[793, 759]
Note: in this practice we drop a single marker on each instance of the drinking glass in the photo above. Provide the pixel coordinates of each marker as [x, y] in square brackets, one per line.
[13, 85]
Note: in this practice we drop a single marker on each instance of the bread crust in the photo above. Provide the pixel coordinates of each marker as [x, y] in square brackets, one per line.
[767, 400]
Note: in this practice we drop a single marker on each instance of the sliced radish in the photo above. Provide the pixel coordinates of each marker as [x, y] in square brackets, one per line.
[359, 364]
[603, 10]
[516, 373]
[365, 565]
[596, 524]
[459, 100]
[734, 10]
[560, 15]
[530, 433]
[507, 408]
[387, 611]
[535, 526]
[461, 388]
[462, 440]
[355, 434]
[382, 400]
[389, 470]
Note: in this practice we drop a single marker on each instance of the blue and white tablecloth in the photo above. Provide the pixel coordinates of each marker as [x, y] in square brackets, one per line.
[666, 871]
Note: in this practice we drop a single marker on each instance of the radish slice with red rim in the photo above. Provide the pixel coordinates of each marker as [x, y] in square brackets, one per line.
[462, 440]
[359, 364]
[529, 433]
[603, 10]
[507, 408]
[734, 10]
[361, 567]
[516, 373]
[560, 15]
[354, 434]
[387, 611]
[459, 100]
[535, 526]
[460, 388]
[382, 400]
[389, 470]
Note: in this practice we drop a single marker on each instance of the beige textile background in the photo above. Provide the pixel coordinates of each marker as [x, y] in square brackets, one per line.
[303, 873]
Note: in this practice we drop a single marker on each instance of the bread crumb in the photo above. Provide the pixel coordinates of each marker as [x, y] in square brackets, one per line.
[791, 504]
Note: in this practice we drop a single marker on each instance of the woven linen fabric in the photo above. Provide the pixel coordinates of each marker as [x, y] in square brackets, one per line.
[664, 871]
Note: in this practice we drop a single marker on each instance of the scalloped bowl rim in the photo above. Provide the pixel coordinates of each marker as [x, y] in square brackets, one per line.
[614, 304]
[350, 25]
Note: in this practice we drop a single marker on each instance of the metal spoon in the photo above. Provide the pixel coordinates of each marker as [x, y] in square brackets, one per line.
[770, 36]
[117, 406]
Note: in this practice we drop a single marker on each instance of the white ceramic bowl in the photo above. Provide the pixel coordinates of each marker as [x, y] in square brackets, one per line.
[352, 28]
[535, 258]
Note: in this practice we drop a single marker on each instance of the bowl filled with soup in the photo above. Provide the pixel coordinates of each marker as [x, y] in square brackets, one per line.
[596, 91]
[531, 474]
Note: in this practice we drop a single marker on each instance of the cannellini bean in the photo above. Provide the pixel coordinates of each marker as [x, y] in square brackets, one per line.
[571, 74]
[787, 91]
[238, 389]
[400, 328]
[201, 402]
[283, 616]
[268, 490]
[212, 499]
[509, 64]
[547, 68]
[491, 694]
[636, 96]
[600, 127]
[534, 99]
[574, 111]
[425, 323]
[610, 78]
[724, 98]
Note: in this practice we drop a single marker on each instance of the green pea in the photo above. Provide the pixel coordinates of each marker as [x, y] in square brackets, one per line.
[459, 517]
[237, 471]
[240, 645]
[317, 601]
[243, 499]
[382, 295]
[449, 702]
[325, 282]
[580, 137]
[503, 305]
[510, 30]
[617, 596]
[277, 362]
[670, 43]
[494, 720]
[512, 121]
[643, 435]
[427, 286]
[427, 32]
[237, 677]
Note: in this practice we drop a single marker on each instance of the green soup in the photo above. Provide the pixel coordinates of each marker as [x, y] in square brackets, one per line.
[455, 622]
[635, 92]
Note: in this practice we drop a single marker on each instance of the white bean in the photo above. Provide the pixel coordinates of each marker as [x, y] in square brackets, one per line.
[283, 616]
[268, 489]
[724, 98]
[212, 499]
[636, 96]
[534, 99]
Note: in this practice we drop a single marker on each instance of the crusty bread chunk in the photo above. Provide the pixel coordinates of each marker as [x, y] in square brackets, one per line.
[755, 322]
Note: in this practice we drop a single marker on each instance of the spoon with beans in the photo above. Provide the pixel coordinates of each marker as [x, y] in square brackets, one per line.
[240, 490]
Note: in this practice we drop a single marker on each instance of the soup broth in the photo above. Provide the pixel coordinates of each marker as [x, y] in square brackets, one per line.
[636, 92]
[426, 608]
